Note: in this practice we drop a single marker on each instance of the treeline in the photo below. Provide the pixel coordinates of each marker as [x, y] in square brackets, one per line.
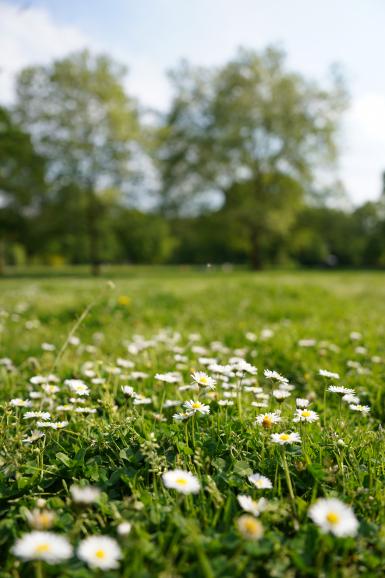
[228, 174]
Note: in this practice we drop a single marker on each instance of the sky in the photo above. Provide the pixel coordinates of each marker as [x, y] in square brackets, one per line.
[152, 36]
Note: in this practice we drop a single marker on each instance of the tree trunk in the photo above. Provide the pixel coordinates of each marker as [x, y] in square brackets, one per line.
[93, 233]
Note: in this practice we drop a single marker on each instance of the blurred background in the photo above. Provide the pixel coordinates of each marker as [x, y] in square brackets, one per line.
[192, 132]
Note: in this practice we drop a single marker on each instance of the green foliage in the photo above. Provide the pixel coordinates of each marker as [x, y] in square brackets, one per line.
[227, 175]
[142, 238]
[82, 121]
[22, 183]
[254, 131]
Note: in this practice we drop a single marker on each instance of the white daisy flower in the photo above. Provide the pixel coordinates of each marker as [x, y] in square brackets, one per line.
[225, 402]
[47, 546]
[128, 390]
[50, 389]
[181, 416]
[181, 481]
[77, 386]
[361, 408]
[52, 424]
[35, 435]
[124, 528]
[17, 402]
[307, 342]
[40, 519]
[85, 410]
[100, 552]
[286, 386]
[170, 377]
[250, 336]
[361, 350]
[38, 379]
[260, 482]
[202, 379]
[266, 333]
[301, 402]
[355, 336]
[267, 420]
[126, 363]
[244, 366]
[332, 515]
[340, 389]
[249, 527]
[98, 380]
[48, 347]
[171, 403]
[350, 398]
[275, 375]
[306, 415]
[138, 375]
[84, 494]
[207, 360]
[196, 407]
[280, 394]
[140, 399]
[188, 387]
[330, 374]
[225, 370]
[37, 414]
[285, 438]
[65, 407]
[259, 404]
[254, 507]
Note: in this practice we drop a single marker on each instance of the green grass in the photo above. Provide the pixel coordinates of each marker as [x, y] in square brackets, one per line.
[124, 449]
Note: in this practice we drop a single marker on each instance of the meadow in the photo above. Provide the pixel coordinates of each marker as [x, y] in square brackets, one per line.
[179, 423]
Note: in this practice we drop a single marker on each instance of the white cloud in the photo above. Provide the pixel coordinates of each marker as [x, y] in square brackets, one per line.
[363, 159]
[30, 36]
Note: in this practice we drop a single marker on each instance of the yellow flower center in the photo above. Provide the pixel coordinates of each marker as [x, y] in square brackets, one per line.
[203, 379]
[250, 526]
[267, 422]
[124, 300]
[284, 437]
[196, 405]
[306, 413]
[100, 554]
[332, 518]
[42, 548]
[181, 481]
[44, 519]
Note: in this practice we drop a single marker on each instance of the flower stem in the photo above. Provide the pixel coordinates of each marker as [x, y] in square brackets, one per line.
[288, 482]
[39, 573]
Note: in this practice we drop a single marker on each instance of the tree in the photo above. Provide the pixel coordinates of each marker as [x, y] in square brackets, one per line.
[253, 131]
[22, 183]
[82, 121]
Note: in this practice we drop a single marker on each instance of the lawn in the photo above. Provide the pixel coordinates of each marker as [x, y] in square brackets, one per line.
[97, 464]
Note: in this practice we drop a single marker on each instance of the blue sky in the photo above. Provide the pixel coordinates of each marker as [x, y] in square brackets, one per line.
[150, 36]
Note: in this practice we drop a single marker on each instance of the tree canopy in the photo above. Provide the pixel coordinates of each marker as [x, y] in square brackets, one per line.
[84, 124]
[238, 164]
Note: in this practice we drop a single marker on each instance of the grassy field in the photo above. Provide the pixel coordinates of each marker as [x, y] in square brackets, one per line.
[148, 322]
